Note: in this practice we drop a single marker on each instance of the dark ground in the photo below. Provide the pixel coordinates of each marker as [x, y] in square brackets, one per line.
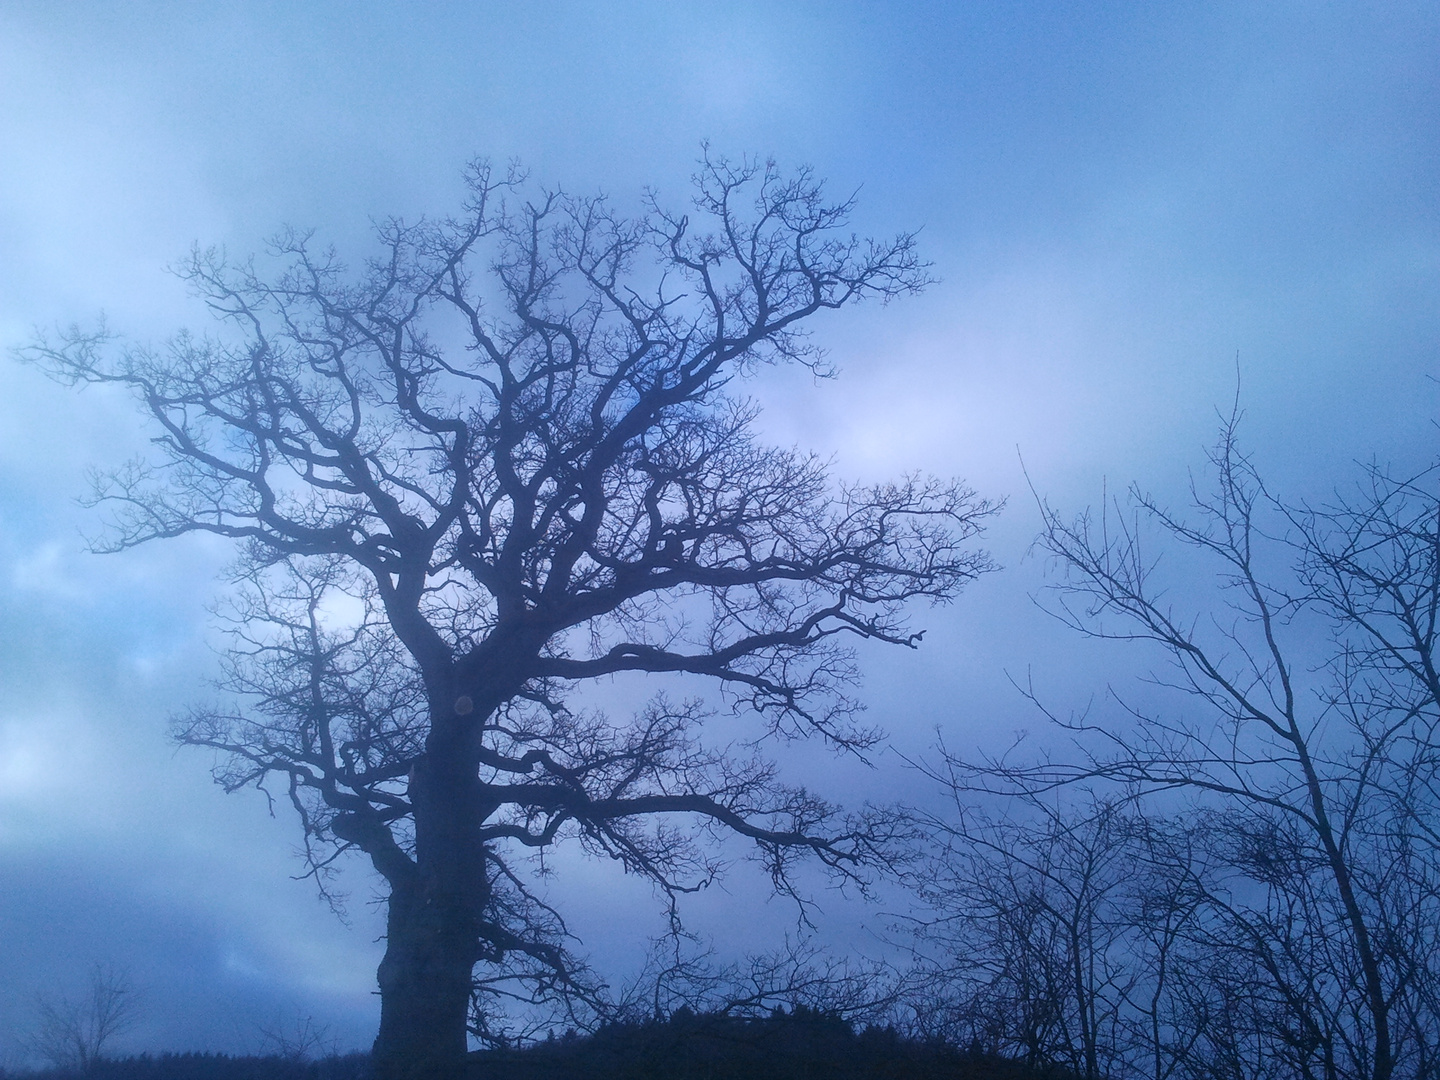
[802, 1045]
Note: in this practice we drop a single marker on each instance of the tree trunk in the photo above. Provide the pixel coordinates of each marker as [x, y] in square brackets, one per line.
[432, 934]
[424, 991]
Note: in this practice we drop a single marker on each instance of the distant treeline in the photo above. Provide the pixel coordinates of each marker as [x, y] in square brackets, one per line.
[782, 1046]
[799, 1045]
[214, 1067]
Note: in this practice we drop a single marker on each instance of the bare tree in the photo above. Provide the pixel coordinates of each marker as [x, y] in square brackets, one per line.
[73, 1034]
[1303, 749]
[1036, 940]
[454, 505]
[293, 1038]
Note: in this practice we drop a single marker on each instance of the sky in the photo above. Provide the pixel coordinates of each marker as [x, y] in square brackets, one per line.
[1130, 208]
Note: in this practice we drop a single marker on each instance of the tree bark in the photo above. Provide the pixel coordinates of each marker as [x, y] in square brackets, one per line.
[424, 993]
[432, 934]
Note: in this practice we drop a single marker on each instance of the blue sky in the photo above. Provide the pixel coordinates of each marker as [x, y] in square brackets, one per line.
[1119, 199]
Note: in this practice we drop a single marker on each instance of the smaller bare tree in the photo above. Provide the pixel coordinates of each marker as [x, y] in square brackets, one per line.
[1295, 774]
[1036, 947]
[74, 1034]
[296, 1038]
